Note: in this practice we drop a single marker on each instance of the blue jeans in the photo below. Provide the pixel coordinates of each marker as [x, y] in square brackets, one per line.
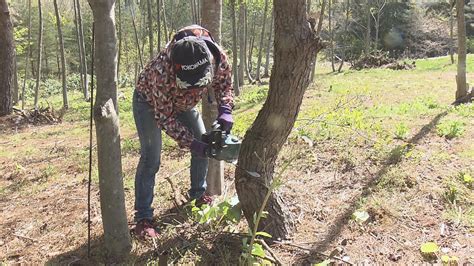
[150, 152]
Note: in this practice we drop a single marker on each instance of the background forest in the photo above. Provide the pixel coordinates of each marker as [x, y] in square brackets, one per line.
[377, 168]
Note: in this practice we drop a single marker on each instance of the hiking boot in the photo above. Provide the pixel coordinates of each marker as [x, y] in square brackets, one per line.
[204, 199]
[145, 228]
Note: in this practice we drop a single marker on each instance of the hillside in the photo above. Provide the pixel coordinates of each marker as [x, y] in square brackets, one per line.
[380, 165]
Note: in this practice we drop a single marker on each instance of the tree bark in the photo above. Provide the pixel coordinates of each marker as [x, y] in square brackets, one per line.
[165, 26]
[83, 51]
[235, 52]
[211, 11]
[6, 59]
[63, 60]
[296, 46]
[262, 45]
[461, 91]
[112, 197]
[40, 51]
[27, 60]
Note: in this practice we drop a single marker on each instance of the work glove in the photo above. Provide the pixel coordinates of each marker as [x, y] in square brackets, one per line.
[224, 119]
[199, 148]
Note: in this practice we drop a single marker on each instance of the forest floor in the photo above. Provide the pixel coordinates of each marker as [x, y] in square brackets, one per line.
[380, 165]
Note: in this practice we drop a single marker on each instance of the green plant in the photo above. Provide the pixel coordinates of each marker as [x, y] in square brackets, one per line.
[450, 129]
[226, 212]
[451, 194]
[429, 250]
[401, 131]
[253, 252]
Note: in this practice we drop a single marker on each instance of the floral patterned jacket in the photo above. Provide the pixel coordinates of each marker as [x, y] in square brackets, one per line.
[157, 84]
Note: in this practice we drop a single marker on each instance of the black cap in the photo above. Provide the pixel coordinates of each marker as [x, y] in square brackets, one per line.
[192, 63]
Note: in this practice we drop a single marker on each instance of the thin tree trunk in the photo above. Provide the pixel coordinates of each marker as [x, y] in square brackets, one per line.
[252, 41]
[63, 60]
[368, 28]
[40, 51]
[150, 28]
[119, 38]
[235, 55]
[211, 20]
[451, 32]
[112, 198]
[262, 45]
[76, 23]
[137, 42]
[16, 89]
[7, 53]
[331, 35]
[242, 39]
[266, 72]
[158, 22]
[318, 32]
[461, 92]
[346, 24]
[294, 52]
[27, 60]
[83, 51]
[246, 67]
[165, 26]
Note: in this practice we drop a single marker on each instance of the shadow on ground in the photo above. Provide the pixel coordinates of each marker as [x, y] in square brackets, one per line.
[394, 157]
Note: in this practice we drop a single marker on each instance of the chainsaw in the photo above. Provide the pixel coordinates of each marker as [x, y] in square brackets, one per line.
[222, 146]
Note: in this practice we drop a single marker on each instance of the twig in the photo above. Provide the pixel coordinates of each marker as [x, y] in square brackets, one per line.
[313, 251]
[265, 245]
[25, 237]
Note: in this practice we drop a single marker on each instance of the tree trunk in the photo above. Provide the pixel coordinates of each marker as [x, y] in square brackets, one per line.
[368, 28]
[252, 42]
[27, 60]
[150, 28]
[242, 38]
[76, 23]
[63, 60]
[15, 79]
[451, 32]
[165, 26]
[119, 38]
[461, 92]
[331, 35]
[158, 22]
[296, 46]
[318, 32]
[262, 45]
[211, 20]
[112, 197]
[235, 55]
[246, 46]
[6, 59]
[83, 51]
[40, 50]
[266, 72]
[137, 42]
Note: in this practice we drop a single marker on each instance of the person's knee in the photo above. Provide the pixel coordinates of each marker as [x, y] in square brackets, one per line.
[151, 161]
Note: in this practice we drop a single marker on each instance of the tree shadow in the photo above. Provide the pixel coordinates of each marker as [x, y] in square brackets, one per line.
[394, 157]
[189, 242]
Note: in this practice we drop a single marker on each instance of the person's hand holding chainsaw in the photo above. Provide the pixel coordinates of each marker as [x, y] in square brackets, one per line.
[224, 119]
